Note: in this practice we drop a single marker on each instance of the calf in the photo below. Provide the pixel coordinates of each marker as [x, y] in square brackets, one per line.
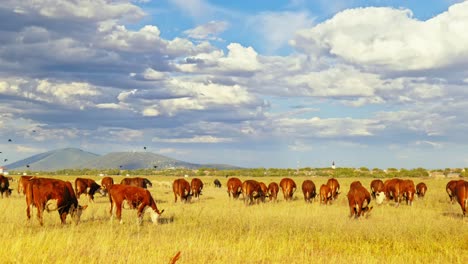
[4, 186]
[308, 189]
[273, 189]
[137, 181]
[421, 189]
[181, 188]
[325, 194]
[252, 191]
[288, 186]
[196, 185]
[358, 200]
[234, 186]
[461, 192]
[135, 198]
[88, 187]
[334, 187]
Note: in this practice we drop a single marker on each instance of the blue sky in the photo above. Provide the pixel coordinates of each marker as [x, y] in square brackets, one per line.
[248, 83]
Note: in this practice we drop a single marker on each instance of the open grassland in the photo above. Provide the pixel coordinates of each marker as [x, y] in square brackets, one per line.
[216, 229]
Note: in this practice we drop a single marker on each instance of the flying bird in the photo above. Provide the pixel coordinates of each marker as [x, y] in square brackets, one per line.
[155, 166]
[9, 140]
[144, 148]
[27, 165]
[5, 160]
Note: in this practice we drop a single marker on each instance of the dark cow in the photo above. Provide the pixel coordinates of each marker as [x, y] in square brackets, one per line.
[137, 181]
[196, 185]
[450, 188]
[421, 189]
[217, 183]
[4, 186]
[135, 198]
[334, 187]
[106, 183]
[181, 188]
[252, 191]
[288, 186]
[393, 191]
[52, 194]
[273, 189]
[408, 190]
[325, 194]
[234, 186]
[461, 193]
[309, 191]
[88, 187]
[358, 199]
[23, 183]
[376, 187]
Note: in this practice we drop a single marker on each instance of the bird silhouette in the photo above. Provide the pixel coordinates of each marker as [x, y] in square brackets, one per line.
[144, 148]
[5, 160]
[9, 140]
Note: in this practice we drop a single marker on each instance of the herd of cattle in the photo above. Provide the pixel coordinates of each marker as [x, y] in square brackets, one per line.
[54, 194]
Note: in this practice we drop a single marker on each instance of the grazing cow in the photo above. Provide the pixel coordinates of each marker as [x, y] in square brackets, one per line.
[252, 191]
[408, 190]
[52, 194]
[263, 187]
[23, 183]
[4, 186]
[325, 194]
[196, 185]
[376, 187]
[358, 200]
[234, 186]
[393, 191]
[137, 181]
[450, 188]
[421, 189]
[135, 198]
[217, 183]
[88, 187]
[308, 189]
[335, 187]
[106, 183]
[273, 189]
[288, 186]
[181, 188]
[461, 192]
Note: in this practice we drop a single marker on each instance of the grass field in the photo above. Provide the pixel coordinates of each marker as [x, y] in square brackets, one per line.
[215, 229]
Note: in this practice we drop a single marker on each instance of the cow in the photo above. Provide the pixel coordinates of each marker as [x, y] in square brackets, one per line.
[52, 194]
[196, 185]
[137, 181]
[135, 198]
[393, 191]
[181, 188]
[358, 200]
[106, 183]
[263, 187]
[4, 186]
[288, 186]
[308, 189]
[273, 189]
[252, 191]
[450, 188]
[334, 187]
[325, 194]
[461, 193]
[217, 183]
[376, 187]
[234, 186]
[408, 190]
[421, 189]
[23, 183]
[88, 187]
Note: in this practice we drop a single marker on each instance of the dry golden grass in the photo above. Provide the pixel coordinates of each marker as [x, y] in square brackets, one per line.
[216, 229]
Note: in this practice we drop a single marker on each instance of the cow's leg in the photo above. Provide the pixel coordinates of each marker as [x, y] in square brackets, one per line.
[40, 210]
[28, 211]
[141, 208]
[63, 215]
[175, 198]
[118, 212]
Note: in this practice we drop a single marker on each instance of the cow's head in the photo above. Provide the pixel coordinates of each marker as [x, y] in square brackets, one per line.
[76, 212]
[154, 214]
[379, 197]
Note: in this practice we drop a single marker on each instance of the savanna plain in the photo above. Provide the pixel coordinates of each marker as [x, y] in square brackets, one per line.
[218, 229]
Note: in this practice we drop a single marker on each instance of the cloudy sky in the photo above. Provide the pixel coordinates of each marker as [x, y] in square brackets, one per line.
[248, 83]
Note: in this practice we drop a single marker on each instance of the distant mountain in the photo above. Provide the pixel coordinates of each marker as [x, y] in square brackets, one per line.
[67, 158]
[72, 158]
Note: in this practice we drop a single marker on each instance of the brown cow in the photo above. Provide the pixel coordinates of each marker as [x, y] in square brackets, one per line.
[234, 186]
[450, 188]
[376, 187]
[408, 190]
[197, 186]
[252, 191]
[288, 186]
[135, 198]
[181, 188]
[358, 199]
[52, 194]
[308, 189]
[461, 192]
[88, 187]
[392, 190]
[325, 194]
[334, 186]
[4, 186]
[106, 183]
[137, 181]
[421, 189]
[273, 189]
[264, 187]
[23, 183]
